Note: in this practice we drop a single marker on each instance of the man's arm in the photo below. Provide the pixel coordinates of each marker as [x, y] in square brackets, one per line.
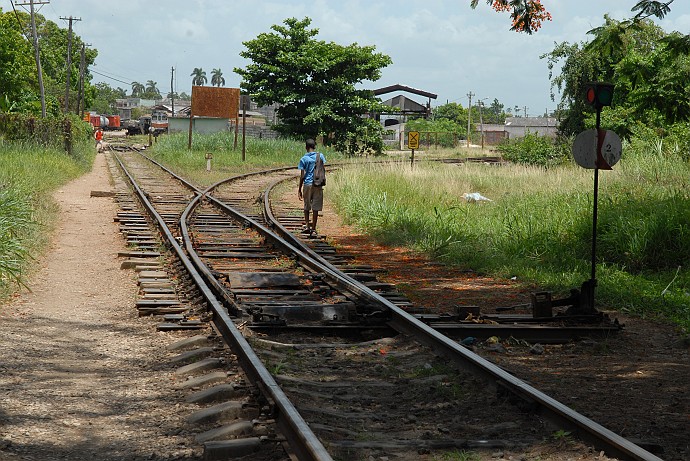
[301, 181]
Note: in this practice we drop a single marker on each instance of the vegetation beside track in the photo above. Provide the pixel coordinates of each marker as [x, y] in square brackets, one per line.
[172, 150]
[538, 225]
[29, 174]
[536, 228]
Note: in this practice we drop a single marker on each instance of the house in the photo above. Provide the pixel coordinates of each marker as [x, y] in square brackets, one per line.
[401, 107]
[125, 105]
[516, 127]
[493, 133]
[166, 105]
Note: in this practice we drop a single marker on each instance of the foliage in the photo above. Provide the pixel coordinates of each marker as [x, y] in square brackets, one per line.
[453, 112]
[648, 67]
[528, 15]
[15, 56]
[447, 131]
[227, 160]
[151, 90]
[217, 78]
[138, 89]
[54, 132]
[494, 113]
[533, 149]
[198, 76]
[104, 98]
[29, 173]
[15, 222]
[18, 74]
[314, 83]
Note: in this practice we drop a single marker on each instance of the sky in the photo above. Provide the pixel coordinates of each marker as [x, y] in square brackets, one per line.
[439, 46]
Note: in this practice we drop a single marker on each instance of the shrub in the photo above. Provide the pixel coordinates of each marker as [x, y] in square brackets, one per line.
[533, 149]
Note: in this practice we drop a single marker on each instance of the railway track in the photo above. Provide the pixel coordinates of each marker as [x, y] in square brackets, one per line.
[320, 353]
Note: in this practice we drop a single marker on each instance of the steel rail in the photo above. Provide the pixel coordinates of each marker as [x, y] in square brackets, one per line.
[601, 437]
[585, 428]
[309, 447]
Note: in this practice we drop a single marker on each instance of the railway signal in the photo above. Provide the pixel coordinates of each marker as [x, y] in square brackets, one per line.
[596, 149]
[599, 94]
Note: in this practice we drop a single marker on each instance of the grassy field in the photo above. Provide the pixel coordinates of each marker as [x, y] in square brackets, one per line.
[28, 176]
[538, 225]
[172, 150]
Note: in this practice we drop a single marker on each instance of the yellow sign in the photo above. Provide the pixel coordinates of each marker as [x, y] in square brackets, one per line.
[413, 140]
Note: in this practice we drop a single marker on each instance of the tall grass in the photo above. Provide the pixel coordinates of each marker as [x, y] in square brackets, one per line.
[28, 176]
[227, 161]
[539, 225]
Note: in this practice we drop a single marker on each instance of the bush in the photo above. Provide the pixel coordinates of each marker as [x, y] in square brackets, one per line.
[536, 150]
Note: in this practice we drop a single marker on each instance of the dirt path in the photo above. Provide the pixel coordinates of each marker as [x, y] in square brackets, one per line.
[80, 374]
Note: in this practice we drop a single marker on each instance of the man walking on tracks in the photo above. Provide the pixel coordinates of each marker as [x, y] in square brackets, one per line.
[99, 139]
[312, 194]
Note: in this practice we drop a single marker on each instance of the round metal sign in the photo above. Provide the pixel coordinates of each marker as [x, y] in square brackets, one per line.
[592, 151]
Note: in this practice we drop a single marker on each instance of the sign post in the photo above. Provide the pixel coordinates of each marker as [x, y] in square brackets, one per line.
[599, 150]
[209, 157]
[413, 143]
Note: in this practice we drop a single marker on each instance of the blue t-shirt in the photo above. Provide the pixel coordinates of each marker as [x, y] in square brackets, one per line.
[307, 163]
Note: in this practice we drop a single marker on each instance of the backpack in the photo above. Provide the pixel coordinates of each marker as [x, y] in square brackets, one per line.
[319, 172]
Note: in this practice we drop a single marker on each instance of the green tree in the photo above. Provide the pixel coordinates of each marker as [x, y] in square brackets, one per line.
[16, 58]
[314, 83]
[453, 112]
[445, 131]
[103, 100]
[137, 89]
[198, 76]
[151, 90]
[494, 113]
[217, 78]
[527, 15]
[648, 67]
[18, 74]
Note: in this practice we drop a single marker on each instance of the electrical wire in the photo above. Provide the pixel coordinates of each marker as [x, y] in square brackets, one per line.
[108, 76]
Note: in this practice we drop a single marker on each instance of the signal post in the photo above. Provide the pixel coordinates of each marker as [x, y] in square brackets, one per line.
[596, 149]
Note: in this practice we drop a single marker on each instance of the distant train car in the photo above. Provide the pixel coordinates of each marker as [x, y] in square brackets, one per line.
[156, 123]
[105, 122]
[159, 121]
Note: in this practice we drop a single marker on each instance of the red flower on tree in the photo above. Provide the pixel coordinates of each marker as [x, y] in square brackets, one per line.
[528, 15]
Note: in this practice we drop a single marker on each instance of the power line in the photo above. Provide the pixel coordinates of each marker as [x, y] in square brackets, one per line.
[108, 76]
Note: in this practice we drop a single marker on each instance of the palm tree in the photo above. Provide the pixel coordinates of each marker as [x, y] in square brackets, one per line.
[137, 89]
[199, 76]
[217, 78]
[151, 88]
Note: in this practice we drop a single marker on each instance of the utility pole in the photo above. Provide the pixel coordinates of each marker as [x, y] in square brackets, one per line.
[37, 56]
[469, 116]
[82, 71]
[481, 120]
[172, 90]
[69, 59]
[524, 112]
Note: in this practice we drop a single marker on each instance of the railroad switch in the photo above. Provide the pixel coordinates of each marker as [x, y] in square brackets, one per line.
[579, 303]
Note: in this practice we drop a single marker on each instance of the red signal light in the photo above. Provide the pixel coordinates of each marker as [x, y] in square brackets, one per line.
[599, 94]
[591, 96]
